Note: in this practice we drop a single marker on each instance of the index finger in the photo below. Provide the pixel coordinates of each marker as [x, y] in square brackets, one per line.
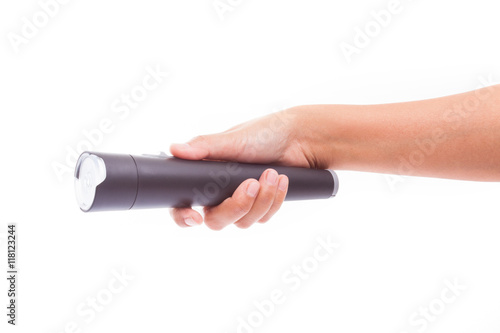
[233, 208]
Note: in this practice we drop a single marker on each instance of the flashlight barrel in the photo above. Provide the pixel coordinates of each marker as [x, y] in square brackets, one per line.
[146, 181]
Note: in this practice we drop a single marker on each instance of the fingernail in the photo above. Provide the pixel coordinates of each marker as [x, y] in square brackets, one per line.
[252, 189]
[272, 177]
[282, 185]
[190, 222]
[183, 145]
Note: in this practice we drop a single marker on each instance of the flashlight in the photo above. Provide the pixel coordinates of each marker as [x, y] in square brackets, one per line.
[105, 181]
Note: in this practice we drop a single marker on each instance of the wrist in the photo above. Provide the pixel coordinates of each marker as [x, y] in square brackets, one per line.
[313, 132]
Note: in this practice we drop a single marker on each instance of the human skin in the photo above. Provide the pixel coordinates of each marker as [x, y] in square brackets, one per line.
[455, 137]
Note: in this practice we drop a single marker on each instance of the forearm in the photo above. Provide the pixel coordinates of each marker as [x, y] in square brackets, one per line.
[455, 136]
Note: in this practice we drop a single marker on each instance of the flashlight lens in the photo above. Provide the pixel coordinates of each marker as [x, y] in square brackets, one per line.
[90, 172]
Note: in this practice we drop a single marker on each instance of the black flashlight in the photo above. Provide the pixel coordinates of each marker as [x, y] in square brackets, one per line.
[105, 181]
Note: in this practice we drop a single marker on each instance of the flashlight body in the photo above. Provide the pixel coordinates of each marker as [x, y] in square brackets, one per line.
[150, 181]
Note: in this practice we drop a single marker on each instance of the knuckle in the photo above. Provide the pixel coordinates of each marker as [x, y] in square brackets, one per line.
[241, 208]
[199, 138]
[264, 219]
[268, 193]
[213, 224]
[243, 225]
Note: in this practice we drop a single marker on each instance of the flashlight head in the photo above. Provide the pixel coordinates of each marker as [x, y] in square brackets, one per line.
[105, 181]
[90, 172]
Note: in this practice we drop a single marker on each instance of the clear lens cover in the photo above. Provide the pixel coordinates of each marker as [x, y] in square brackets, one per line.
[90, 172]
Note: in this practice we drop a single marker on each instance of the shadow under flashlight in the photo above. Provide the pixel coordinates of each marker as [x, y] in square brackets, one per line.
[105, 181]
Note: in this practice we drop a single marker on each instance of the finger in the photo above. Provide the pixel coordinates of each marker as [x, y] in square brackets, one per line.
[268, 187]
[185, 151]
[233, 208]
[214, 147]
[278, 199]
[186, 217]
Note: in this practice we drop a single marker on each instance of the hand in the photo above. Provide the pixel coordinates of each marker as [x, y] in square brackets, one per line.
[270, 139]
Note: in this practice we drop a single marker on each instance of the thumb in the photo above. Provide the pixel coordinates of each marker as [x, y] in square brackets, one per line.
[213, 147]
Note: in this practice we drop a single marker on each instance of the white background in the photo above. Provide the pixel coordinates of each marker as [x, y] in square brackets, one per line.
[399, 243]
